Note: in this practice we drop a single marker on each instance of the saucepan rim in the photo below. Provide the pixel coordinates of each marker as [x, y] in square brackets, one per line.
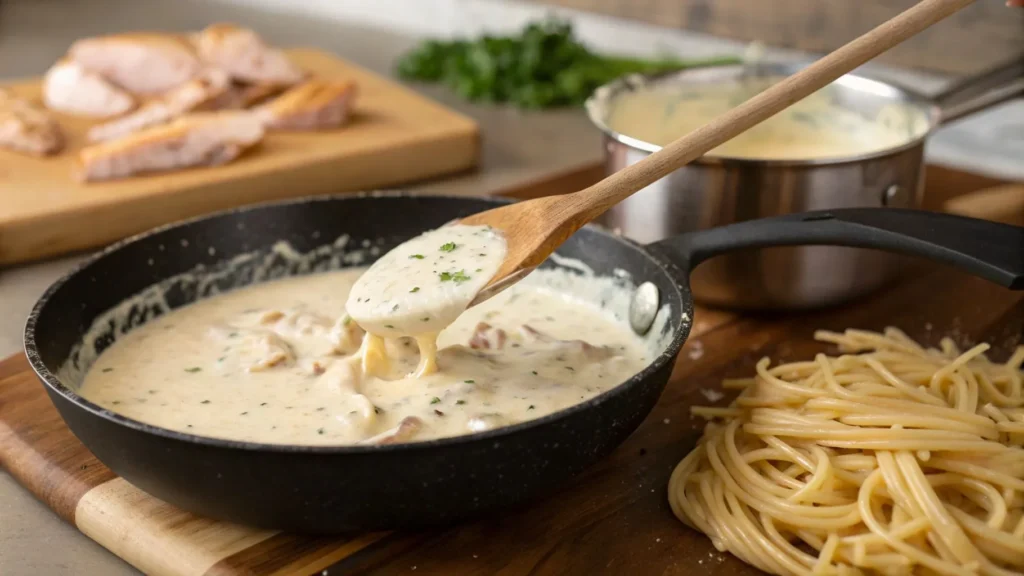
[51, 381]
[597, 107]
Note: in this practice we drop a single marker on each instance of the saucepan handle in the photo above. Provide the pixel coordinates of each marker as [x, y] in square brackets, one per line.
[987, 249]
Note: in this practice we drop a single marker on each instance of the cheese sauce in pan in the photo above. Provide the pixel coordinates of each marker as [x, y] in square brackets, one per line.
[279, 363]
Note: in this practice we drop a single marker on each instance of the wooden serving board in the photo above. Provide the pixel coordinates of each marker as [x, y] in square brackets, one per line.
[613, 519]
[395, 136]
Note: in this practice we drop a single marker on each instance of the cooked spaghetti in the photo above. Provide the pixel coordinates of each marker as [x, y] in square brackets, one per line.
[890, 458]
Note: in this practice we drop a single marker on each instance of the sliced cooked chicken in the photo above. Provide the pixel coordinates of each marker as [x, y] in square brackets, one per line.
[27, 128]
[69, 87]
[199, 139]
[141, 63]
[181, 100]
[312, 105]
[405, 430]
[245, 56]
[239, 96]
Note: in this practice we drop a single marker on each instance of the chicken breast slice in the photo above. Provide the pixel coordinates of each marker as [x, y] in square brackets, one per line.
[27, 128]
[312, 105]
[245, 56]
[185, 98]
[199, 139]
[68, 87]
[240, 96]
[141, 63]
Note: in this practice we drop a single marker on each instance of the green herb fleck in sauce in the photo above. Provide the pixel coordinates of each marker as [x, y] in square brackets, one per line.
[389, 326]
[470, 381]
[414, 289]
[435, 400]
[457, 277]
[193, 369]
[531, 407]
[460, 402]
[205, 402]
[108, 369]
[320, 431]
[448, 247]
[416, 257]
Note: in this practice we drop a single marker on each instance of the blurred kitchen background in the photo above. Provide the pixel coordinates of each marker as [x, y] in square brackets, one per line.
[374, 33]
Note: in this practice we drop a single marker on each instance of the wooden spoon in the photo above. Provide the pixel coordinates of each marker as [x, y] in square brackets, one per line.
[535, 228]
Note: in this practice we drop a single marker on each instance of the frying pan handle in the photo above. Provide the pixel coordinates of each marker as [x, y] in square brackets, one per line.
[987, 249]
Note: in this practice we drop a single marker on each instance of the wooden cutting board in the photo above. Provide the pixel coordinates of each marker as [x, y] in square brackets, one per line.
[613, 519]
[396, 136]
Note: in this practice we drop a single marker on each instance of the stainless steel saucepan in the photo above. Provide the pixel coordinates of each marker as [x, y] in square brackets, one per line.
[717, 190]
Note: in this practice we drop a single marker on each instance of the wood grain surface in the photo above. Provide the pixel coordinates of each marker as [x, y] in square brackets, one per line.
[395, 136]
[613, 519]
[982, 36]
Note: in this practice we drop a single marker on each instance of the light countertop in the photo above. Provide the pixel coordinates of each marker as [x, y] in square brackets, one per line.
[518, 148]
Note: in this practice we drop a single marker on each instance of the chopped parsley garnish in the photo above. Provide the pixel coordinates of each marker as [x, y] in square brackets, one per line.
[460, 402]
[426, 319]
[531, 407]
[389, 326]
[193, 369]
[457, 277]
[108, 369]
[263, 403]
[570, 368]
[320, 409]
[320, 431]
[438, 412]
[394, 308]
[346, 320]
[416, 257]
[243, 413]
[534, 372]
[470, 381]
[414, 289]
[205, 402]
[448, 247]
[435, 400]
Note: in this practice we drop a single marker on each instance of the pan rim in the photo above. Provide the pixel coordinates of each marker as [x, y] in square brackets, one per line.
[50, 380]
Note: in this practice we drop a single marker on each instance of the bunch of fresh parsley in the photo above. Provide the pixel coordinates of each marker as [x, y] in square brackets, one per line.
[544, 66]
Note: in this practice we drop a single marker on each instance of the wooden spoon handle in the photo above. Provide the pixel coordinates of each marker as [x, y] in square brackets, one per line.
[595, 200]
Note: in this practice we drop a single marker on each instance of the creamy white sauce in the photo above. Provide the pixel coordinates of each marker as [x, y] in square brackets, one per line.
[278, 362]
[419, 288]
[813, 128]
[424, 284]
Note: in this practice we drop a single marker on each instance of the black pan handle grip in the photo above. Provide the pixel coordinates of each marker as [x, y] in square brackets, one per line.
[987, 249]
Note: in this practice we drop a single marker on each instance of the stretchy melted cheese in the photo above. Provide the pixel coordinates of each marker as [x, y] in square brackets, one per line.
[278, 363]
[813, 128]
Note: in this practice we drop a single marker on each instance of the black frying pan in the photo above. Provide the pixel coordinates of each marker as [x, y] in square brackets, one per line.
[328, 489]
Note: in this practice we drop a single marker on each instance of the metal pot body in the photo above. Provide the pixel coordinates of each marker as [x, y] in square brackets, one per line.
[708, 194]
[719, 190]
